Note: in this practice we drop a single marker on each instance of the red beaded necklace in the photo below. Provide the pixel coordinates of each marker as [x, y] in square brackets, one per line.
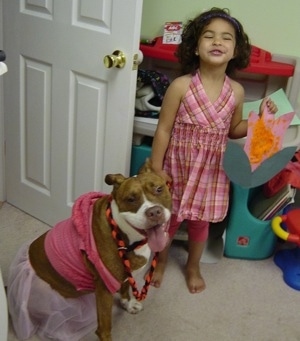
[123, 249]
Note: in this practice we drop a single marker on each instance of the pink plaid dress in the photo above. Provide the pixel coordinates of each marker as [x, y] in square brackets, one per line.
[200, 188]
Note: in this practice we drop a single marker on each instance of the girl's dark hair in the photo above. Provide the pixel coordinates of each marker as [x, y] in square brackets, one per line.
[192, 31]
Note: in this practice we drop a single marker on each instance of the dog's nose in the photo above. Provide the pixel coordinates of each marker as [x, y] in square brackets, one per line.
[154, 212]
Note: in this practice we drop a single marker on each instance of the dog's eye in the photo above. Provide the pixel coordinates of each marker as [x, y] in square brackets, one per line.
[158, 189]
[131, 199]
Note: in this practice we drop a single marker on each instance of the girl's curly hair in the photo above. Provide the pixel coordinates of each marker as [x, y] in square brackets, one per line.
[192, 31]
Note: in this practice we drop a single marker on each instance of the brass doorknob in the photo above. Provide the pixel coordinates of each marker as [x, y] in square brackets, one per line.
[117, 59]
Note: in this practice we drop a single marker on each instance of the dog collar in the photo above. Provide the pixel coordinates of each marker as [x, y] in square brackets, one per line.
[136, 245]
[123, 249]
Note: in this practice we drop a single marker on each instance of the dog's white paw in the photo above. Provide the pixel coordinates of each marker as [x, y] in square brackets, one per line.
[132, 306]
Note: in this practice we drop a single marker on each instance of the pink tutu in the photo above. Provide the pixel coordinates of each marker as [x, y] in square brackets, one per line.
[35, 308]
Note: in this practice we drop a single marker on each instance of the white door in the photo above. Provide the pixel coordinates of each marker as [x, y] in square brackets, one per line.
[68, 118]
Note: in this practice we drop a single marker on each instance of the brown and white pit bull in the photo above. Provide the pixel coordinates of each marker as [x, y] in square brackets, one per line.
[61, 285]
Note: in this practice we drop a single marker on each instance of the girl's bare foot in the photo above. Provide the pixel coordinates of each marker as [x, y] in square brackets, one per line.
[160, 267]
[193, 277]
[158, 274]
[194, 280]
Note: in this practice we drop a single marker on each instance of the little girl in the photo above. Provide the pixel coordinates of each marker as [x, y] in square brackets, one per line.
[200, 111]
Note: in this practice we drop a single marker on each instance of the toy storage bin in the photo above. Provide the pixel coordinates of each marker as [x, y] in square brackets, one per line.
[139, 154]
[246, 236]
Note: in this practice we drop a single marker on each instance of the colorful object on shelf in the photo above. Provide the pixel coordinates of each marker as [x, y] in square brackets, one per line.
[260, 61]
[172, 32]
[290, 175]
[288, 260]
[151, 88]
[159, 50]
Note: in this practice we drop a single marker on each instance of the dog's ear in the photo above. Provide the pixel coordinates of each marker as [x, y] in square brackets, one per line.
[147, 167]
[114, 179]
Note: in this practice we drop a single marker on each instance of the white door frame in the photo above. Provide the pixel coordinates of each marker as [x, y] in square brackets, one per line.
[2, 141]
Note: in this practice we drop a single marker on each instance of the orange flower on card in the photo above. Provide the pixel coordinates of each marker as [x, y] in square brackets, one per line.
[262, 156]
[265, 135]
[263, 143]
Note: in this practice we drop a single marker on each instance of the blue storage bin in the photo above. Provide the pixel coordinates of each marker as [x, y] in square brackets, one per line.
[246, 236]
[139, 154]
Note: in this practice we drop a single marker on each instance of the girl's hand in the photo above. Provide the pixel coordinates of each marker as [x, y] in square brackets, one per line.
[267, 102]
[164, 175]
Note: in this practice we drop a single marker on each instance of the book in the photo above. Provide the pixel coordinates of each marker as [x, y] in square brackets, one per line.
[264, 208]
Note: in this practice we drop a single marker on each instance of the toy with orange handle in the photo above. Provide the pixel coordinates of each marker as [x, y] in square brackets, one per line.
[289, 259]
[290, 219]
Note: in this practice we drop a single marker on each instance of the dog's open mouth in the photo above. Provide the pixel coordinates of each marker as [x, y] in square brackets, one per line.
[157, 236]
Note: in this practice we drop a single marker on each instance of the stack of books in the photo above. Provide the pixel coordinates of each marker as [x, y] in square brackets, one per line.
[264, 208]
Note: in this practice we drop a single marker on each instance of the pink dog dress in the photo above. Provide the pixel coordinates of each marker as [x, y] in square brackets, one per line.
[36, 308]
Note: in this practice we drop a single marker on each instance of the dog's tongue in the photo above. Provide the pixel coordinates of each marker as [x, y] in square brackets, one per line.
[158, 238]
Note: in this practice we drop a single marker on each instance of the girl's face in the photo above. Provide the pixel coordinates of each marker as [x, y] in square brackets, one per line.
[216, 44]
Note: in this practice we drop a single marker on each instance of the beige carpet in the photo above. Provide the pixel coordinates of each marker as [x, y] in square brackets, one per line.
[244, 300]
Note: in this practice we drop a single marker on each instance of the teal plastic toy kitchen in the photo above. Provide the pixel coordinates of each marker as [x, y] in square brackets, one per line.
[246, 236]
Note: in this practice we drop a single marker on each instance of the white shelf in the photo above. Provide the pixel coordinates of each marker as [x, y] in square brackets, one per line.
[145, 126]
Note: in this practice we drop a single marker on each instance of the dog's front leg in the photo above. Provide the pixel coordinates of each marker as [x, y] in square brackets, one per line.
[132, 305]
[104, 301]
